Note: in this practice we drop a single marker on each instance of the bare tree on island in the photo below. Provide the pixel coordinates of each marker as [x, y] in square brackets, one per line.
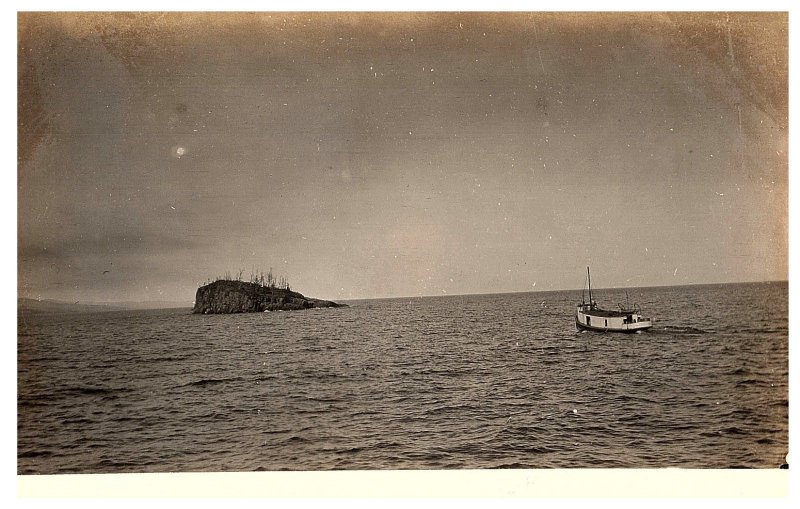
[270, 280]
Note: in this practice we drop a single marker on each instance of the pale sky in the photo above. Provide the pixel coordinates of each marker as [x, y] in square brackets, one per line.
[398, 154]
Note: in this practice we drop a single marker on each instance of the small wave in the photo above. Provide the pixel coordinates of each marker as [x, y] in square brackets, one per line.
[450, 409]
[206, 382]
[527, 430]
[276, 431]
[755, 330]
[294, 439]
[540, 450]
[513, 464]
[32, 401]
[680, 330]
[111, 392]
[739, 413]
[625, 398]
[44, 359]
[632, 418]
[109, 463]
[213, 416]
[733, 430]
[320, 399]
[350, 450]
[308, 374]
[168, 358]
[444, 373]
[35, 454]
[126, 418]
[76, 420]
[89, 390]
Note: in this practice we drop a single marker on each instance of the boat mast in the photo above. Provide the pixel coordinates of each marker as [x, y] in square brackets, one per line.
[589, 276]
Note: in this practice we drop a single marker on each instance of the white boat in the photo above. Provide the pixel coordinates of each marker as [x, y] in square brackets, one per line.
[590, 317]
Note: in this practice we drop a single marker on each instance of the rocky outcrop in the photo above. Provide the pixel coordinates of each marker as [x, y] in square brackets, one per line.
[242, 297]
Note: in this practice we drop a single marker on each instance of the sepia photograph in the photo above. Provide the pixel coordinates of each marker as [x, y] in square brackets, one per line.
[401, 241]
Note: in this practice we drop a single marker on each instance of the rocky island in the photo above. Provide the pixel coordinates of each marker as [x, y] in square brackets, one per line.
[225, 296]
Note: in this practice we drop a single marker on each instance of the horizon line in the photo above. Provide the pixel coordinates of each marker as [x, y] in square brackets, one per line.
[180, 304]
[572, 289]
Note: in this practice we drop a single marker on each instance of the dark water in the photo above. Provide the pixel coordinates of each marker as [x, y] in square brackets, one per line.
[493, 381]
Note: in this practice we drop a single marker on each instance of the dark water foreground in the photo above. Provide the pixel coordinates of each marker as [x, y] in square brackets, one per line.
[495, 381]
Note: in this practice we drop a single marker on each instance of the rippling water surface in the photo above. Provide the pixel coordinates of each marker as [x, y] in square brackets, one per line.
[489, 381]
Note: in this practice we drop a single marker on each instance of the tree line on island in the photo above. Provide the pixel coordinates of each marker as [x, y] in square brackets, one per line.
[268, 280]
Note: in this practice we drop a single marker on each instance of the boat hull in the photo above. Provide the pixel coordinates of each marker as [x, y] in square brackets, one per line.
[628, 328]
[595, 319]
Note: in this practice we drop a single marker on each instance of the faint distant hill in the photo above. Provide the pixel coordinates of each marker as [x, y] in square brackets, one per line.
[36, 306]
[48, 306]
[152, 304]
